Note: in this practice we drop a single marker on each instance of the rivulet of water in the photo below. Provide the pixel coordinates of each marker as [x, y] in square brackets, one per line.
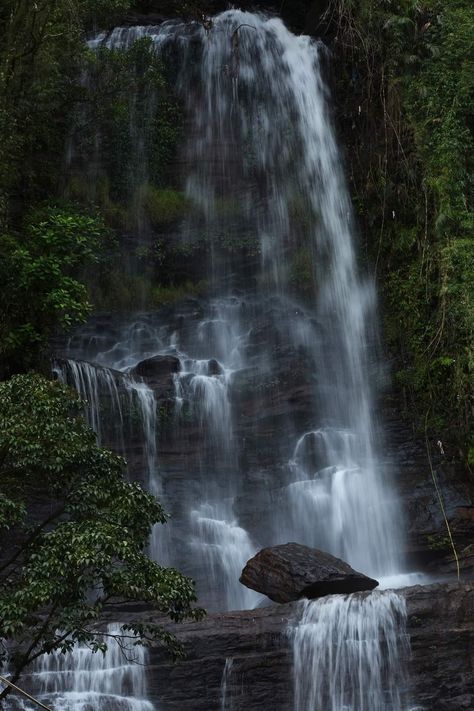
[226, 702]
[82, 681]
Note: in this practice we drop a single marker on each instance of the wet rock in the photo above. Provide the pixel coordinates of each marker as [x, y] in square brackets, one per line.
[288, 572]
[424, 537]
[157, 366]
[214, 367]
[158, 372]
[440, 626]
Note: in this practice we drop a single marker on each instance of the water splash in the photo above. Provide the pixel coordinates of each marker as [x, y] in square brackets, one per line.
[350, 654]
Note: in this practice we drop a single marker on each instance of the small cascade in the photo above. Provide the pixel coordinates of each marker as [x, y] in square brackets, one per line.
[224, 548]
[350, 654]
[205, 383]
[328, 505]
[212, 403]
[98, 388]
[83, 681]
[111, 397]
[144, 397]
[226, 701]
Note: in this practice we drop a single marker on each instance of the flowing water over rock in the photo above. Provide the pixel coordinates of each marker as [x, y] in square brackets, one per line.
[226, 702]
[349, 654]
[82, 681]
[264, 431]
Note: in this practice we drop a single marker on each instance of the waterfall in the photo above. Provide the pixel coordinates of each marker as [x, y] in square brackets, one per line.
[261, 140]
[349, 654]
[82, 681]
[97, 387]
[224, 547]
[273, 435]
[144, 396]
[264, 94]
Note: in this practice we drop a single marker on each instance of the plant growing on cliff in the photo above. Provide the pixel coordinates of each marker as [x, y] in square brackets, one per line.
[40, 285]
[41, 50]
[73, 532]
[128, 103]
[406, 86]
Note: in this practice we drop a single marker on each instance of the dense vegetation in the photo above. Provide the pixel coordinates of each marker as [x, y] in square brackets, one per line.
[73, 531]
[405, 87]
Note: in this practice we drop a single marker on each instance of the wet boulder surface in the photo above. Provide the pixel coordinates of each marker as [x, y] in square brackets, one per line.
[292, 571]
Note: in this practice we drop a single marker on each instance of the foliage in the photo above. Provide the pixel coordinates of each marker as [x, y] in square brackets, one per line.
[407, 78]
[163, 206]
[40, 59]
[116, 113]
[121, 292]
[136, 125]
[60, 567]
[39, 288]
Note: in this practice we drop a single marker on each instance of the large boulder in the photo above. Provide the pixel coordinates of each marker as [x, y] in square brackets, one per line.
[158, 372]
[288, 572]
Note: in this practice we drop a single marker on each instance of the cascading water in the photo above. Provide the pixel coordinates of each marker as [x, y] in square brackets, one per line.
[82, 681]
[348, 654]
[264, 176]
[95, 385]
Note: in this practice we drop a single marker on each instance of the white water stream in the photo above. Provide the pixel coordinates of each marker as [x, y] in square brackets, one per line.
[262, 161]
[349, 652]
[83, 681]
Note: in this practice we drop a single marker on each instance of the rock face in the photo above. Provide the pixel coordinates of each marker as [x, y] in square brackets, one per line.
[158, 372]
[261, 403]
[250, 653]
[291, 571]
[157, 367]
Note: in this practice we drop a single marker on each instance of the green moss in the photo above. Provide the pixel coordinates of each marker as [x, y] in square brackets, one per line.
[121, 292]
[163, 205]
[165, 295]
[470, 455]
[136, 118]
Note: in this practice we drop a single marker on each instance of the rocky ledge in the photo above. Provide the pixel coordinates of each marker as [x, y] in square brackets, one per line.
[250, 653]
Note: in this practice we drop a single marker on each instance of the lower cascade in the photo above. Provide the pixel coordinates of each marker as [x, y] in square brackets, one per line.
[83, 681]
[350, 654]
